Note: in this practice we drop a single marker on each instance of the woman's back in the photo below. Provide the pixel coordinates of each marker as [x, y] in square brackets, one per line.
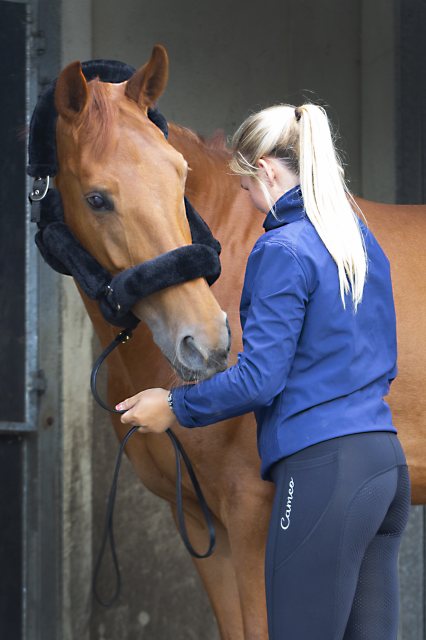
[344, 361]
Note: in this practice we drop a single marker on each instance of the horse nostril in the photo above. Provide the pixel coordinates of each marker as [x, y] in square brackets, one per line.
[191, 355]
[194, 357]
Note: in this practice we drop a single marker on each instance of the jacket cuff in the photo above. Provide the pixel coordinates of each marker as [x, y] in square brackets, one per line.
[179, 406]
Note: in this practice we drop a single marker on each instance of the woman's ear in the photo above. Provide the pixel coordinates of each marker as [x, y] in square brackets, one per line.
[267, 169]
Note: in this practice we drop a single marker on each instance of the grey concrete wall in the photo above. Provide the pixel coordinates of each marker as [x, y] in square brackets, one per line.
[226, 60]
[378, 100]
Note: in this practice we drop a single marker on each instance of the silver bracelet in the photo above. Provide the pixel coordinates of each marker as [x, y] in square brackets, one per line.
[170, 400]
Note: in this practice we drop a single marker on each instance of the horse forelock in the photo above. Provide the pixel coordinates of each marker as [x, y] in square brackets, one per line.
[96, 124]
[105, 109]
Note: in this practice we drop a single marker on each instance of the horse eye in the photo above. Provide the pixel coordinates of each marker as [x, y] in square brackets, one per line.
[99, 202]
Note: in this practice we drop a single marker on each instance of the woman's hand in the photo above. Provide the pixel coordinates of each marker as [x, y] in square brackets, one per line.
[149, 410]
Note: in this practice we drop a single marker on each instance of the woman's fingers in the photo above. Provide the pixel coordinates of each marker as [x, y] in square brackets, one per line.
[128, 403]
[127, 417]
[144, 430]
[149, 410]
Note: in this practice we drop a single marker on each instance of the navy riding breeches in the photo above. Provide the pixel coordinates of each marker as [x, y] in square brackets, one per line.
[331, 565]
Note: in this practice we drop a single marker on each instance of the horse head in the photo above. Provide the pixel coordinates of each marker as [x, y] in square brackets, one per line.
[122, 186]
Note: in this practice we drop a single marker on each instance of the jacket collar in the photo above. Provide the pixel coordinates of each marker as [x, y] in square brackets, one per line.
[288, 207]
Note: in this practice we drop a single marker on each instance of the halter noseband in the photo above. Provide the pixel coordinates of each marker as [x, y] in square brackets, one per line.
[64, 253]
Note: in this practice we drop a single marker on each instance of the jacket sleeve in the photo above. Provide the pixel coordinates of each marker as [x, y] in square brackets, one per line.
[271, 332]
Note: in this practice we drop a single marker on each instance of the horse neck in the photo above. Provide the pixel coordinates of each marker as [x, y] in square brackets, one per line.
[209, 186]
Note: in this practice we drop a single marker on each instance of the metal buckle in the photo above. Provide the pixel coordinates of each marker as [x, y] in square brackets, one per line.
[40, 189]
[108, 293]
[38, 192]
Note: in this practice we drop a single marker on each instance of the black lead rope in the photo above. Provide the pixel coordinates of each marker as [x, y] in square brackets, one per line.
[108, 533]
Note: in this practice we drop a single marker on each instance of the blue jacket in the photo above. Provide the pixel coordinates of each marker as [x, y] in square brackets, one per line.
[309, 369]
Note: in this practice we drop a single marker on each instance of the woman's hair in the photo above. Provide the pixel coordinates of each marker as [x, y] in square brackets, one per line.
[301, 137]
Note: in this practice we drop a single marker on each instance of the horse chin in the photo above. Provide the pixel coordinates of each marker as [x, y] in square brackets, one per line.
[195, 375]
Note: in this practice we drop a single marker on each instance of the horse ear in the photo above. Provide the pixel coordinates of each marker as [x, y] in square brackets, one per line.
[148, 83]
[71, 92]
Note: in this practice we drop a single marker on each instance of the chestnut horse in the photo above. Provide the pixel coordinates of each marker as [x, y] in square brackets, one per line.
[106, 145]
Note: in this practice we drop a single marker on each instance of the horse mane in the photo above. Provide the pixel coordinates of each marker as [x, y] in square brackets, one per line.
[214, 146]
[209, 155]
[217, 140]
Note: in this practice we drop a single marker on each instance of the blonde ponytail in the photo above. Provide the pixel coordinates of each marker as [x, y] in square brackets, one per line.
[301, 137]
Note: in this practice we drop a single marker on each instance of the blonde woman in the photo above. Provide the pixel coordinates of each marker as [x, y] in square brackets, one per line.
[319, 354]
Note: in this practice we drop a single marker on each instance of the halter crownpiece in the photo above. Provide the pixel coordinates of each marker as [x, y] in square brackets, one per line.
[42, 160]
[64, 253]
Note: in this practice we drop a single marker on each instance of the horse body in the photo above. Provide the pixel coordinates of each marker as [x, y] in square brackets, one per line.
[225, 455]
[401, 231]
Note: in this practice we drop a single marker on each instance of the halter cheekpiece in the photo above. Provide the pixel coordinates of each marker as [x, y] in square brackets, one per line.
[64, 253]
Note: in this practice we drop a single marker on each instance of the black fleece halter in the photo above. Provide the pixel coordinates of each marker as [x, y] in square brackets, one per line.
[64, 253]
